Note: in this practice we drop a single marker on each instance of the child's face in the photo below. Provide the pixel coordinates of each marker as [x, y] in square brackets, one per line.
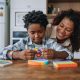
[36, 33]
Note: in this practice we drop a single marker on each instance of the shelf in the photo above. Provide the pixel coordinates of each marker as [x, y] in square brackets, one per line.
[56, 1]
[54, 6]
[51, 16]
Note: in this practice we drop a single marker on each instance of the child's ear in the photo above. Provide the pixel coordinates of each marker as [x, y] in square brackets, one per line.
[26, 33]
[27, 29]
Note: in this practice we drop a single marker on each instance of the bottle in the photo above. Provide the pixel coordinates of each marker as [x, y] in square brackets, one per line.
[58, 9]
[54, 11]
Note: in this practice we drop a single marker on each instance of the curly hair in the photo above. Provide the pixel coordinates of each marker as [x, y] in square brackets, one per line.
[74, 16]
[35, 17]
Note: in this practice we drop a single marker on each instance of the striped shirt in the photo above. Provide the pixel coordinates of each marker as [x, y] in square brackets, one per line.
[26, 43]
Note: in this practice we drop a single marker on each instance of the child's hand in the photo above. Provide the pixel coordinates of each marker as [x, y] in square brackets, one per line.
[25, 54]
[48, 53]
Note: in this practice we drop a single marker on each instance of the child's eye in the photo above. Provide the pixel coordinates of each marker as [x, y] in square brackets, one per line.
[40, 31]
[32, 32]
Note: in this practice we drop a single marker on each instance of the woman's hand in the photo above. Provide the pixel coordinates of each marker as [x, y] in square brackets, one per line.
[25, 54]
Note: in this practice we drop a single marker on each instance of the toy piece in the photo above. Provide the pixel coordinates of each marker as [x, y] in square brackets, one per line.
[40, 52]
[64, 64]
[38, 62]
[4, 63]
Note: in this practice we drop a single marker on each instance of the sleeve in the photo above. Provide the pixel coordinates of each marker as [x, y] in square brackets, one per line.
[17, 46]
[58, 47]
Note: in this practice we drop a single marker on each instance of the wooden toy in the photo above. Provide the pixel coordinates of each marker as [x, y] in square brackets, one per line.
[38, 62]
[4, 63]
[64, 64]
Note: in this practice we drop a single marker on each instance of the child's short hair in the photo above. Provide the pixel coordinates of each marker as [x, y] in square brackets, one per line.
[35, 17]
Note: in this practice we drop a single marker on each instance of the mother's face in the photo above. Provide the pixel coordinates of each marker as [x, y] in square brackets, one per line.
[64, 29]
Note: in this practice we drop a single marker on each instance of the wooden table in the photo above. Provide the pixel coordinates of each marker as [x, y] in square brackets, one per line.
[19, 70]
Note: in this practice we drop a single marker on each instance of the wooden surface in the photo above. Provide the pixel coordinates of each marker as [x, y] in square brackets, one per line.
[19, 70]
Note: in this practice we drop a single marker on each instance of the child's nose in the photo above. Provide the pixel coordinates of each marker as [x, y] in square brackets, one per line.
[36, 35]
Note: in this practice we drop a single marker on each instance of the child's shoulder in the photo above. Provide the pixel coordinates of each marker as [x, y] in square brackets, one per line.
[24, 40]
[51, 40]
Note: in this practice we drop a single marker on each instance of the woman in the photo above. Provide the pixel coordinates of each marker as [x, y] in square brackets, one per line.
[67, 29]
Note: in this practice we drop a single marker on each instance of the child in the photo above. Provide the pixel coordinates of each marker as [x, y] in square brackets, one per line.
[35, 24]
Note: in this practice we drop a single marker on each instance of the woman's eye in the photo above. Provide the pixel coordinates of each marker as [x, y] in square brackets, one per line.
[68, 30]
[61, 26]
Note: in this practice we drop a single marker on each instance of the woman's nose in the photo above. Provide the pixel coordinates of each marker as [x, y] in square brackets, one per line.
[62, 31]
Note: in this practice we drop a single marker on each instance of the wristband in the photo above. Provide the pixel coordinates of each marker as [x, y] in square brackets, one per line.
[9, 55]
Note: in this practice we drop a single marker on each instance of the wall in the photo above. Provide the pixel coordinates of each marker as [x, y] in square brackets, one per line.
[18, 8]
[4, 27]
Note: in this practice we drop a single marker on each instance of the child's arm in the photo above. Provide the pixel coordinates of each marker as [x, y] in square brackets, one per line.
[12, 51]
[60, 54]
[52, 54]
[25, 54]
[16, 47]
[58, 50]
